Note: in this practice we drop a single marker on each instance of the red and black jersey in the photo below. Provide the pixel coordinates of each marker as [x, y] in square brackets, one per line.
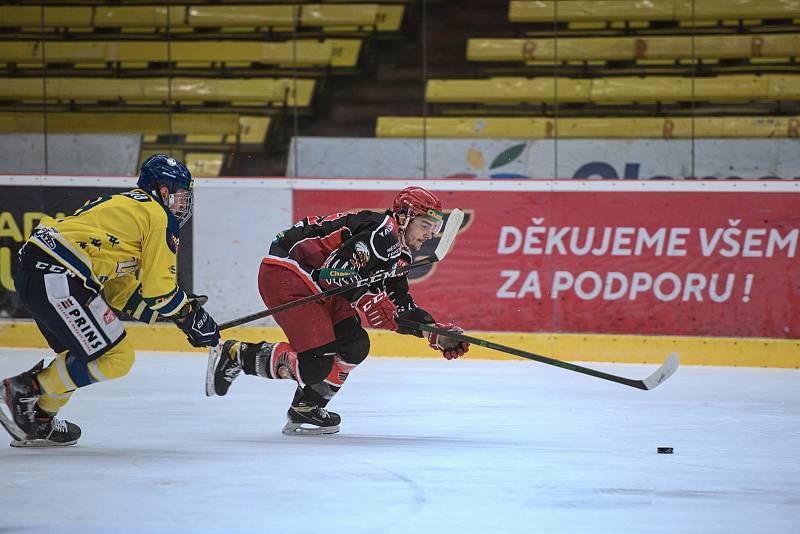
[365, 241]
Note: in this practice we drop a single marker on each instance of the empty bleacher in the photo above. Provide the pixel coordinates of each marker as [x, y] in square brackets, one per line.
[611, 56]
[198, 18]
[612, 90]
[742, 46]
[518, 69]
[623, 69]
[653, 15]
[144, 92]
[201, 79]
[312, 56]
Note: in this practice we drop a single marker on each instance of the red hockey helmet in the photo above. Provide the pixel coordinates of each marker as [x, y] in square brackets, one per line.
[415, 201]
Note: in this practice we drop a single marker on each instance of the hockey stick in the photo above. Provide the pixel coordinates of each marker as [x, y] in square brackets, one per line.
[660, 375]
[445, 243]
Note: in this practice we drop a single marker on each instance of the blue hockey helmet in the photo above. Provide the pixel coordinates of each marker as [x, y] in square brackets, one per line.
[162, 170]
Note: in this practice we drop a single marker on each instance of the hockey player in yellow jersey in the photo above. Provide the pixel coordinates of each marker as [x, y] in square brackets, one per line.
[115, 253]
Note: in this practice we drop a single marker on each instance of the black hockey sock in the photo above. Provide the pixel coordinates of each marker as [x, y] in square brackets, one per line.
[255, 358]
[308, 395]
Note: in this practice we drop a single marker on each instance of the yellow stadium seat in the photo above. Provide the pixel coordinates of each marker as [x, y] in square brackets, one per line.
[733, 88]
[54, 17]
[300, 53]
[625, 89]
[145, 17]
[252, 130]
[589, 128]
[344, 52]
[387, 19]
[137, 54]
[332, 15]
[339, 17]
[249, 16]
[652, 10]
[258, 91]
[228, 128]
[204, 164]
[390, 18]
[782, 45]
[145, 123]
[508, 90]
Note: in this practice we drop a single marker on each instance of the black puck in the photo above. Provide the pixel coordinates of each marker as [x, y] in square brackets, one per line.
[664, 450]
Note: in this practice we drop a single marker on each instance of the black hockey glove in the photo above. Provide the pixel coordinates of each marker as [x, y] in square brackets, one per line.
[412, 313]
[199, 300]
[199, 327]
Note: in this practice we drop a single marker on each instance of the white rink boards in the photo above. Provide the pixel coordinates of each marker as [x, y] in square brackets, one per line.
[426, 446]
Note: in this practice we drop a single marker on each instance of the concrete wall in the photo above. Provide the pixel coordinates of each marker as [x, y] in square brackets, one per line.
[85, 154]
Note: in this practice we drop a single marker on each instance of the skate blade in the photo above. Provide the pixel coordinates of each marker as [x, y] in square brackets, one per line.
[39, 443]
[213, 359]
[7, 419]
[297, 429]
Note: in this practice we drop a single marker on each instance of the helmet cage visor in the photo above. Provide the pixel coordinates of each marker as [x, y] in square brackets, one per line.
[181, 204]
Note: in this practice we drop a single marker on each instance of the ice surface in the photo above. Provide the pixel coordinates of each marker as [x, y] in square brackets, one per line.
[425, 446]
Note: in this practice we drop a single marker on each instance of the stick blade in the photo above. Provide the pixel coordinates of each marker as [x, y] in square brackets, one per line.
[661, 374]
[449, 234]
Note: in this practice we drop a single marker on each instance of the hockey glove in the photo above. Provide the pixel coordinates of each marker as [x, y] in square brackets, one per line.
[199, 300]
[199, 327]
[451, 348]
[378, 310]
[411, 312]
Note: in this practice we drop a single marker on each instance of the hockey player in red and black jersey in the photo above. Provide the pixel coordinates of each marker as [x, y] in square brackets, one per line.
[326, 339]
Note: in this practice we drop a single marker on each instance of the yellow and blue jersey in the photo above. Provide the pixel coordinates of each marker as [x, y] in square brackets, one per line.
[124, 245]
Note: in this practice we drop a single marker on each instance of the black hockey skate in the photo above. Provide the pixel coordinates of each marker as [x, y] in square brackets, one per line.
[25, 421]
[306, 418]
[224, 365]
[49, 431]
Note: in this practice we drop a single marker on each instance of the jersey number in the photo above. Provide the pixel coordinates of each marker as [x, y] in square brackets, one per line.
[125, 267]
[91, 204]
[140, 197]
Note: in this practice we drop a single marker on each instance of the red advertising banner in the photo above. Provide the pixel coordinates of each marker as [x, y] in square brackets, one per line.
[615, 262]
